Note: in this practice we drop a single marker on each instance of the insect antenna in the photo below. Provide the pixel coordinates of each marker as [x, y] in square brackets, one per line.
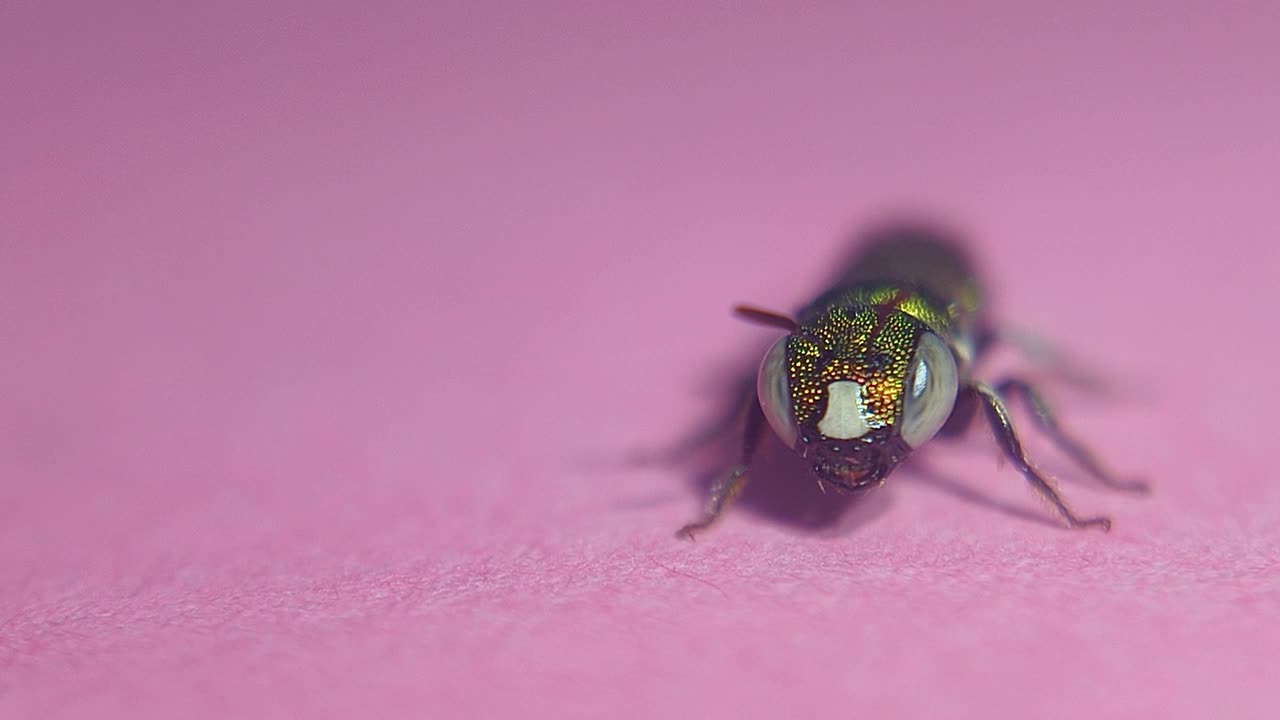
[766, 317]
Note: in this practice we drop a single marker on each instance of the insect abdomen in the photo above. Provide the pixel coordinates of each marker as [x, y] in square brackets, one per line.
[915, 269]
[922, 257]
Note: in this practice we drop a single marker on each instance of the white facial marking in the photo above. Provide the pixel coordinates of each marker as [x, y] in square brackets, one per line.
[846, 416]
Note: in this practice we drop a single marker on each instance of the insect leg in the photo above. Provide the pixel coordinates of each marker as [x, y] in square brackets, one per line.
[730, 485]
[1007, 437]
[1069, 445]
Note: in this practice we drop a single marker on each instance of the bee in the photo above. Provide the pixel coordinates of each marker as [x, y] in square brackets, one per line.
[879, 364]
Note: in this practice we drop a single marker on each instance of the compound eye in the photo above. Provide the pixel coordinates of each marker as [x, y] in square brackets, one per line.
[931, 390]
[774, 390]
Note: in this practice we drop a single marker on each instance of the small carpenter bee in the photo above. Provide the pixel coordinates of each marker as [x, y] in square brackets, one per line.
[879, 364]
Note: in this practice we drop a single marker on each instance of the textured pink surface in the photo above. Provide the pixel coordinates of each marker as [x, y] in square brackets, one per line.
[324, 330]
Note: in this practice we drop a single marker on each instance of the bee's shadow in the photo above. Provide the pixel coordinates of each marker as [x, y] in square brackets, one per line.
[925, 474]
[782, 489]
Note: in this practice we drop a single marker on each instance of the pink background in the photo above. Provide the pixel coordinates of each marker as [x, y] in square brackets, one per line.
[324, 331]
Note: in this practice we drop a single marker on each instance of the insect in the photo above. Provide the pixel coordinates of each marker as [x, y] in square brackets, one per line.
[882, 362]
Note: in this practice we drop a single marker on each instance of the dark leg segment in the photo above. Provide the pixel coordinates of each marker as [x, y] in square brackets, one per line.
[1002, 426]
[1069, 445]
[730, 486]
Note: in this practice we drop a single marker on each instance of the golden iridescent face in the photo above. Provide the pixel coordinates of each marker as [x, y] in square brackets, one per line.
[857, 389]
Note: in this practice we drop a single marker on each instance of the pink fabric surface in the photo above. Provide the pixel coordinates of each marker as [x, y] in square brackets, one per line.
[326, 330]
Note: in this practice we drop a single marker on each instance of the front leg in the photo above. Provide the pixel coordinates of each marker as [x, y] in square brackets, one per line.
[1007, 437]
[730, 486]
[1069, 445]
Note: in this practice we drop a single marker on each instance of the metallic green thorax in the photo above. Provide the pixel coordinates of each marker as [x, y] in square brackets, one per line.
[939, 270]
